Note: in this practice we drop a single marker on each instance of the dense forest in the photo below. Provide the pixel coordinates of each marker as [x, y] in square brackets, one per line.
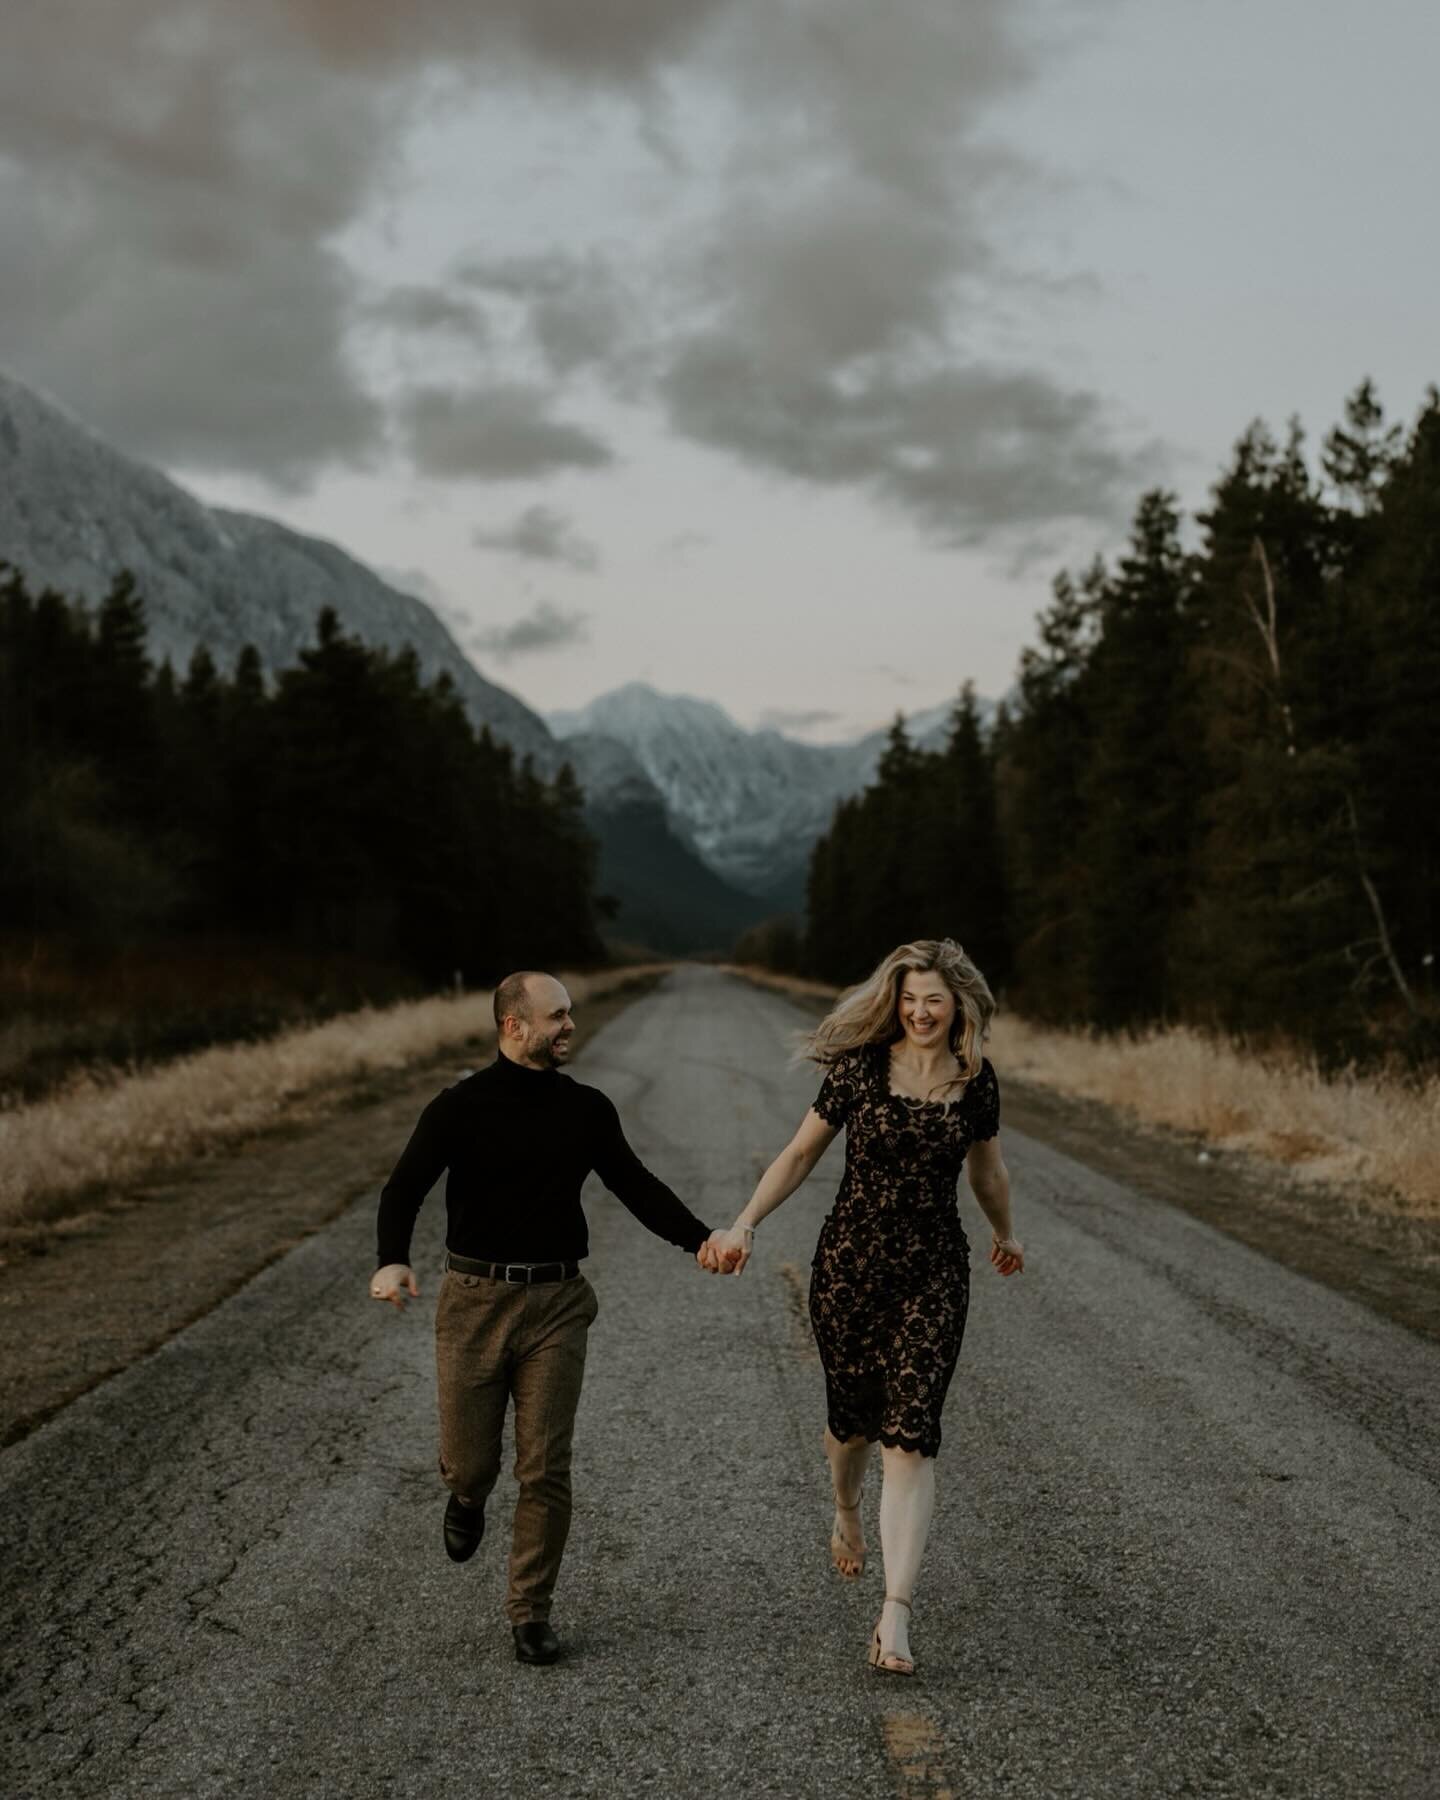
[344, 809]
[1214, 793]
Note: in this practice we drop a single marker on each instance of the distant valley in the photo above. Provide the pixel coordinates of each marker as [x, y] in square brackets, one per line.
[750, 803]
[704, 827]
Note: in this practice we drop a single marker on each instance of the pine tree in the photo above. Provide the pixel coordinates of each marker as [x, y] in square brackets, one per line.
[1136, 792]
[1046, 748]
[1265, 944]
[1391, 801]
[976, 888]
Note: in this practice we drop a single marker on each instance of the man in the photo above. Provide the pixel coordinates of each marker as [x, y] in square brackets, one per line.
[518, 1139]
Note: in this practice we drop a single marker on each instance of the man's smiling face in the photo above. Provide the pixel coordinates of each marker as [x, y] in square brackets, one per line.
[548, 1028]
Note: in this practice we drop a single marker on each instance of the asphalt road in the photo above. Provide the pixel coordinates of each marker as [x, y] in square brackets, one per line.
[1185, 1541]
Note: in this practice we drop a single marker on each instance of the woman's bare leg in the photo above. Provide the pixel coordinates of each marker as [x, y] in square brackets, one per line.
[907, 1502]
[847, 1461]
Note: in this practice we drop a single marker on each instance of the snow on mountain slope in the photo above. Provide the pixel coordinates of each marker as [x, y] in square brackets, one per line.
[667, 897]
[751, 802]
[74, 512]
[668, 779]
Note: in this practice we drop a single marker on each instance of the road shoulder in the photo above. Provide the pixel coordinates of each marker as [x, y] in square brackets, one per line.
[1305, 1226]
[115, 1283]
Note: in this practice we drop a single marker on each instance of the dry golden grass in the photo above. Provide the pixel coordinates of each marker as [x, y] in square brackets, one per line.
[99, 1134]
[1377, 1137]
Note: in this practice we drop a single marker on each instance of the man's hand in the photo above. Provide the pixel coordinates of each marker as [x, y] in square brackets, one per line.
[725, 1252]
[392, 1283]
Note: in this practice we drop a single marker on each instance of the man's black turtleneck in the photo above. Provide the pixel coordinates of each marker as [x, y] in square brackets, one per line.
[518, 1143]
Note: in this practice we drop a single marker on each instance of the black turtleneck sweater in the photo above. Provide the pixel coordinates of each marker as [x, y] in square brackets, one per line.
[518, 1143]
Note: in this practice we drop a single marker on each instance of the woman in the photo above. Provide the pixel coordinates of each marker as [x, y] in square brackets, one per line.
[890, 1279]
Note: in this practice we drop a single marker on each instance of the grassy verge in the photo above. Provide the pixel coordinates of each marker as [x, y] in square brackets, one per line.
[100, 1134]
[1373, 1139]
[63, 1012]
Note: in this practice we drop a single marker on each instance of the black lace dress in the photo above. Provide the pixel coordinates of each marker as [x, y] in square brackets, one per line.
[890, 1280]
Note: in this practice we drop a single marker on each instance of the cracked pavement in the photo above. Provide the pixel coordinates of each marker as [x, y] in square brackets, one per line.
[1184, 1543]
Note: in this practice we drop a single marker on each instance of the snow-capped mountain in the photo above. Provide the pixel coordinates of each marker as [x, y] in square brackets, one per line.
[668, 896]
[74, 512]
[703, 826]
[751, 802]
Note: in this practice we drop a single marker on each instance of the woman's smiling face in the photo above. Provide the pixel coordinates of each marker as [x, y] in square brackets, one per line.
[926, 1009]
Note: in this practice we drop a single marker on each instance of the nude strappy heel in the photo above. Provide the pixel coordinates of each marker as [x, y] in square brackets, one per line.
[840, 1546]
[900, 1665]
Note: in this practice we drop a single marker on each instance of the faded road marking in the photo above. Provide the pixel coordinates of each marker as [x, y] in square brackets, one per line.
[914, 1746]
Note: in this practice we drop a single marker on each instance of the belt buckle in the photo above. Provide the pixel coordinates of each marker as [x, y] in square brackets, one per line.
[524, 1274]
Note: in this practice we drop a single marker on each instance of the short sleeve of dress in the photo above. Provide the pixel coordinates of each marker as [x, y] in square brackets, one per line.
[983, 1098]
[839, 1090]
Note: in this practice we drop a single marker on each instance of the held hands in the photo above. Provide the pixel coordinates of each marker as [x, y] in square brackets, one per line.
[726, 1252]
[392, 1283]
[1007, 1254]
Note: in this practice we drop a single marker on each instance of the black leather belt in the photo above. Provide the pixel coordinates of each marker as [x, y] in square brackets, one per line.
[526, 1272]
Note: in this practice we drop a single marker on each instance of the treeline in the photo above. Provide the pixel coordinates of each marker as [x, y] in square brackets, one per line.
[1214, 795]
[346, 807]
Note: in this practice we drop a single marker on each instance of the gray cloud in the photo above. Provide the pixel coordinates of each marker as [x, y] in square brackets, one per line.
[966, 450]
[831, 311]
[545, 627]
[543, 534]
[499, 432]
[784, 718]
[171, 183]
[619, 40]
[836, 272]
[685, 543]
[886, 93]
[423, 309]
[577, 308]
[173, 175]
[187, 361]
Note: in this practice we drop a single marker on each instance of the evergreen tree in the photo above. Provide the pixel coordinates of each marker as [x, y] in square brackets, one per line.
[976, 889]
[1394, 774]
[120, 730]
[353, 811]
[1265, 940]
[1045, 750]
[1136, 786]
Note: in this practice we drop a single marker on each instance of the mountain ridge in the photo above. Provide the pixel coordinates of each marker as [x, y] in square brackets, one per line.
[75, 511]
[703, 826]
[751, 803]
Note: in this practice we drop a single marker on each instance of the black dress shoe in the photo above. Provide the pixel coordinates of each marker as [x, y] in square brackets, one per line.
[535, 1642]
[464, 1528]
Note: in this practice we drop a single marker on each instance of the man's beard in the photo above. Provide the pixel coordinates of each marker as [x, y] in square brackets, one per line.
[545, 1051]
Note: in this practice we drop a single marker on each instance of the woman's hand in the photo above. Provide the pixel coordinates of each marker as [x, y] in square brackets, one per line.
[726, 1252]
[1007, 1254]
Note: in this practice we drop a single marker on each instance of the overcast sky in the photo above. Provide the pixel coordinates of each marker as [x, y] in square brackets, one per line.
[769, 351]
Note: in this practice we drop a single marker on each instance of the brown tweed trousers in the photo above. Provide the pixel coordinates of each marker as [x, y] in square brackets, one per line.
[498, 1341]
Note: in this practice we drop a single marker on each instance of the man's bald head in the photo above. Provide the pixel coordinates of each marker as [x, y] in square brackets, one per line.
[532, 1019]
[512, 997]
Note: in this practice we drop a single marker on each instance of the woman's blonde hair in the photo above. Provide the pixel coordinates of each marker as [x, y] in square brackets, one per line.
[870, 1013]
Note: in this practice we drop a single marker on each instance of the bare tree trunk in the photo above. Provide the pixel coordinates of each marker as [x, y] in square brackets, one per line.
[1386, 947]
[1268, 628]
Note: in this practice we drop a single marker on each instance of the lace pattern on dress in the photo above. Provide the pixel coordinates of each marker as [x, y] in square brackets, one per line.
[890, 1284]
